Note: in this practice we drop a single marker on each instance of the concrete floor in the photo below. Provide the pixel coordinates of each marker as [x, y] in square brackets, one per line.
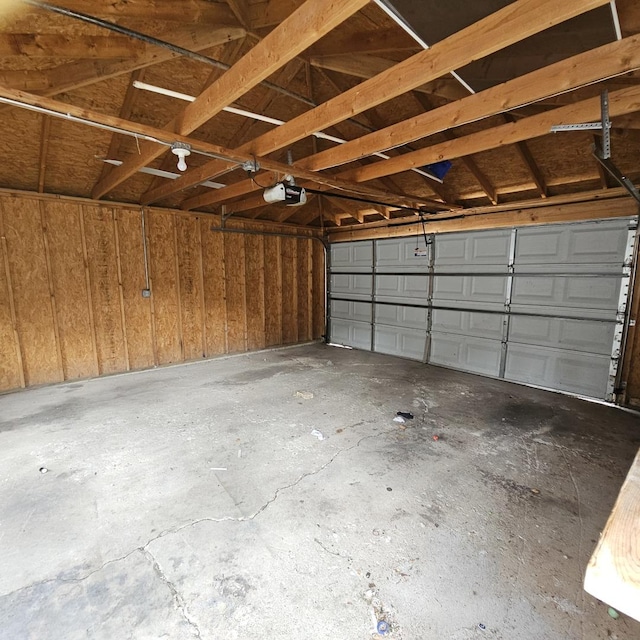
[133, 532]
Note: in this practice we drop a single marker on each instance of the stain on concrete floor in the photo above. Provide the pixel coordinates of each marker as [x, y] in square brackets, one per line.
[136, 531]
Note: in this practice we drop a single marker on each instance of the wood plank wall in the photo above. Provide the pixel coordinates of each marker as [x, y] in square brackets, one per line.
[72, 275]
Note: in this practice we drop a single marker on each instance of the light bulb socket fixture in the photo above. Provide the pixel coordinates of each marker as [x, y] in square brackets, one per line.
[182, 150]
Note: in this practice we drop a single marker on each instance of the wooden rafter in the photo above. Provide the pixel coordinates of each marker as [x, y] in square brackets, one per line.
[125, 113]
[41, 45]
[469, 163]
[189, 11]
[532, 166]
[270, 13]
[378, 41]
[81, 73]
[67, 110]
[507, 26]
[367, 66]
[579, 70]
[240, 10]
[229, 56]
[304, 27]
[621, 102]
[162, 188]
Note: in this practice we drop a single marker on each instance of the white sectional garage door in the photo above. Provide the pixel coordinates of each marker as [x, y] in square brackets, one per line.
[538, 305]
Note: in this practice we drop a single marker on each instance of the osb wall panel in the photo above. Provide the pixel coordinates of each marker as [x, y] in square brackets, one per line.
[137, 310]
[63, 232]
[32, 297]
[164, 287]
[99, 231]
[72, 275]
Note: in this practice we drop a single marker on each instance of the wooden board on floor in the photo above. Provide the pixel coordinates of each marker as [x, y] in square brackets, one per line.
[31, 295]
[164, 286]
[99, 229]
[215, 315]
[63, 231]
[137, 310]
[613, 574]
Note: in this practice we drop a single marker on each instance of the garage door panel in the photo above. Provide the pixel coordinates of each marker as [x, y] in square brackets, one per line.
[472, 323]
[352, 285]
[352, 256]
[561, 291]
[399, 341]
[561, 333]
[474, 248]
[401, 288]
[351, 333]
[572, 371]
[348, 310]
[398, 254]
[590, 243]
[398, 316]
[477, 355]
[471, 289]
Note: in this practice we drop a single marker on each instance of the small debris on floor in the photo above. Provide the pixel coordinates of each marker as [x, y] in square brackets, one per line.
[405, 414]
[535, 491]
[399, 419]
[613, 613]
[389, 489]
[383, 627]
[436, 438]
[481, 626]
[318, 434]
[305, 395]
[43, 469]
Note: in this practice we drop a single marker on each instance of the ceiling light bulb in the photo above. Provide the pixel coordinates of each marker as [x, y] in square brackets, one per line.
[182, 150]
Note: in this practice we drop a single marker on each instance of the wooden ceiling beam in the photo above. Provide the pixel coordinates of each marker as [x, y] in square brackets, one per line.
[125, 114]
[270, 13]
[469, 163]
[507, 26]
[366, 67]
[240, 9]
[621, 102]
[586, 68]
[168, 163]
[513, 215]
[379, 41]
[81, 73]
[41, 45]
[301, 29]
[532, 166]
[235, 157]
[191, 11]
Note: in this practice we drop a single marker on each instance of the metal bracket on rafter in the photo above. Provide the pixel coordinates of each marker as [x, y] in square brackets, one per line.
[603, 154]
[604, 125]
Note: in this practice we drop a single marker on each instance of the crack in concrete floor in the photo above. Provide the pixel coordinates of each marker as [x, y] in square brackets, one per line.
[144, 548]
